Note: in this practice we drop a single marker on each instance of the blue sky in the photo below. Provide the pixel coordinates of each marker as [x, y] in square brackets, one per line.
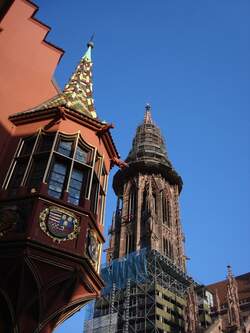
[190, 60]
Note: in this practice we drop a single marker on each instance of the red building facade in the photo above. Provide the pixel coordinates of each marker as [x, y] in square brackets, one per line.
[53, 178]
[27, 63]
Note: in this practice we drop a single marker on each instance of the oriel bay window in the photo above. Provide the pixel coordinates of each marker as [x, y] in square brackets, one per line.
[28, 166]
[70, 168]
[66, 163]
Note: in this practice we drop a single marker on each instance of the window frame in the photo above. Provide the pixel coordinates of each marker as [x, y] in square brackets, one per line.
[17, 156]
[54, 154]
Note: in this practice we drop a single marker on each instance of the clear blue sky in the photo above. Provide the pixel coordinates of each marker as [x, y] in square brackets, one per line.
[190, 60]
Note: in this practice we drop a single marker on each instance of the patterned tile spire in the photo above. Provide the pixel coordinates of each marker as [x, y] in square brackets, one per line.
[77, 93]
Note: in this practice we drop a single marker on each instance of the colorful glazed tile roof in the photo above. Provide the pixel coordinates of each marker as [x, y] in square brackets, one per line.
[77, 94]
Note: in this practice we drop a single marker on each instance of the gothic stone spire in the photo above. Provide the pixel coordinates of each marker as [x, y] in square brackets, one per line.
[191, 312]
[232, 300]
[148, 191]
[147, 115]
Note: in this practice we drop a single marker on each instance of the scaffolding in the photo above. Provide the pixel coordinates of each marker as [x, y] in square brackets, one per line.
[146, 291]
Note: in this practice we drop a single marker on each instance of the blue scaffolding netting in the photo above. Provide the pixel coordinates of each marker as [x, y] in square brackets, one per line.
[132, 267]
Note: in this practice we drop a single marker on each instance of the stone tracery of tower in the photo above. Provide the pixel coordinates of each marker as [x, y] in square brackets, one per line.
[233, 300]
[148, 191]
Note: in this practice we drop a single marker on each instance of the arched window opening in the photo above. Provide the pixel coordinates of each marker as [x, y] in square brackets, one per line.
[164, 245]
[167, 248]
[144, 201]
[132, 204]
[171, 252]
[155, 202]
[166, 211]
[119, 205]
[129, 243]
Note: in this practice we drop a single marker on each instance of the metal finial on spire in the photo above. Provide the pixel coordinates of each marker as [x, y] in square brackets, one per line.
[147, 116]
[229, 271]
[90, 42]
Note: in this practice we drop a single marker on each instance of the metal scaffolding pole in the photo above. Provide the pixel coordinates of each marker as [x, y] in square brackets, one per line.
[132, 295]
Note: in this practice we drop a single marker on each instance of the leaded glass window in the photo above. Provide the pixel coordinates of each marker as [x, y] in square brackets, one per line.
[66, 163]
[57, 179]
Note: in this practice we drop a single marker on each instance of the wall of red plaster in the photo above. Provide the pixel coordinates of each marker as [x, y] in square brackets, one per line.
[27, 63]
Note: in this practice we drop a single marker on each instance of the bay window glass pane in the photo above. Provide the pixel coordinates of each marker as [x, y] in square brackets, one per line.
[56, 179]
[75, 186]
[18, 173]
[45, 143]
[37, 172]
[94, 194]
[65, 147]
[27, 146]
[81, 155]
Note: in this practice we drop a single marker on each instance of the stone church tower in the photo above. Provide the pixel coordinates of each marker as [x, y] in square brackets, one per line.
[148, 199]
[146, 285]
[147, 288]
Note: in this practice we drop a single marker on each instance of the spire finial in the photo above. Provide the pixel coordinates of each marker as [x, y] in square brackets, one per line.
[90, 42]
[229, 271]
[147, 116]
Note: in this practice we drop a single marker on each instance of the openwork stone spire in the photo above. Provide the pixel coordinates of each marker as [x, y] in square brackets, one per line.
[147, 214]
[148, 153]
[148, 143]
[191, 312]
[77, 93]
[233, 300]
[148, 116]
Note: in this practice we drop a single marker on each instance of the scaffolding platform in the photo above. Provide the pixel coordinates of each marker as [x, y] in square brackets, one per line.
[144, 266]
[144, 292]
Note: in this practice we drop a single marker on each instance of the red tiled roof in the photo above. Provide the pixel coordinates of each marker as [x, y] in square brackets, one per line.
[243, 282]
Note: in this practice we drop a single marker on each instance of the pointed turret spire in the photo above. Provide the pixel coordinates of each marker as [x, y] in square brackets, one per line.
[232, 299]
[77, 93]
[148, 116]
[78, 90]
[144, 148]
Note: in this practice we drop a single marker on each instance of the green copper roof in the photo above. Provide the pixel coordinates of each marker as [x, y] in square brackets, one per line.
[87, 55]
